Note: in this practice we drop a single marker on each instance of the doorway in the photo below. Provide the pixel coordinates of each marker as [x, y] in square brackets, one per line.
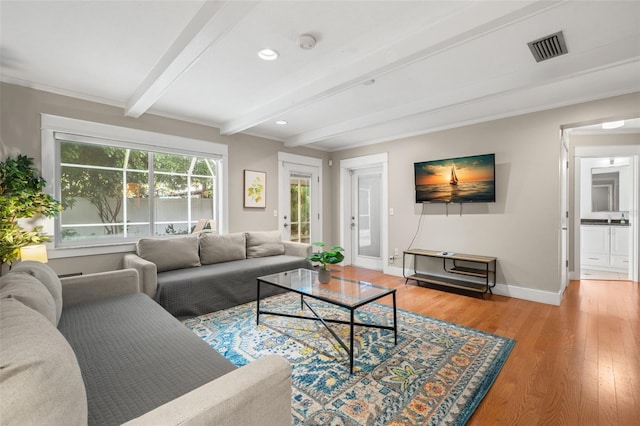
[300, 194]
[604, 196]
[363, 207]
[564, 214]
[605, 191]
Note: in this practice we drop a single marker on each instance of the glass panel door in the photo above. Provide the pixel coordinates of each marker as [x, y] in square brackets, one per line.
[366, 218]
[300, 206]
[299, 203]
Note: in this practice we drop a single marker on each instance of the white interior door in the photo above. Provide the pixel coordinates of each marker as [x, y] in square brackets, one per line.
[347, 227]
[366, 218]
[299, 201]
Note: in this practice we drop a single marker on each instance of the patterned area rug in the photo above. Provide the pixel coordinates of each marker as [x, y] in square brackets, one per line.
[437, 374]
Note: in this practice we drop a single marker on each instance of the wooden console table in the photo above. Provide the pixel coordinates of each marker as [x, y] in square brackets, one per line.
[481, 267]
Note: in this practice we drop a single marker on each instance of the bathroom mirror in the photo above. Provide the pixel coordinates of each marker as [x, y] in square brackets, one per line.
[605, 190]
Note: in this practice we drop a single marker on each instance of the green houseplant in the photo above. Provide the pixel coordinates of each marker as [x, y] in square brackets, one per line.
[22, 196]
[326, 257]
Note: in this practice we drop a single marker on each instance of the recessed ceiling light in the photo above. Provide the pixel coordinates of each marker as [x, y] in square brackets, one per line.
[268, 54]
[281, 122]
[613, 124]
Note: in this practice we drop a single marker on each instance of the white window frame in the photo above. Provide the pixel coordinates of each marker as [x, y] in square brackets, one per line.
[127, 138]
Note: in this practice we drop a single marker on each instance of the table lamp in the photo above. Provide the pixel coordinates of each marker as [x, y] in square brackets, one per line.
[35, 252]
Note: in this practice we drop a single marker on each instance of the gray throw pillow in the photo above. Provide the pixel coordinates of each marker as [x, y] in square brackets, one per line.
[47, 277]
[222, 248]
[40, 380]
[170, 253]
[30, 292]
[264, 243]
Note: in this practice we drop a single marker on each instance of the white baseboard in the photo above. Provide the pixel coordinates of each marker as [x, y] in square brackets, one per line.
[393, 270]
[530, 294]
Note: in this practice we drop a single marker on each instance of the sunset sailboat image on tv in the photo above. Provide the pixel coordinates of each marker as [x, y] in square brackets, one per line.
[456, 180]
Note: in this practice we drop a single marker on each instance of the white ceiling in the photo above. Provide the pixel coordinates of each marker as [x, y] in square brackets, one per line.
[436, 64]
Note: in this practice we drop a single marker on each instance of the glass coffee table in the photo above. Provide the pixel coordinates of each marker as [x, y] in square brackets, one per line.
[341, 292]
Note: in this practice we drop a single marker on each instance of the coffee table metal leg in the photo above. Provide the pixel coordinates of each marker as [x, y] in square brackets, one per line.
[258, 305]
[351, 345]
[395, 320]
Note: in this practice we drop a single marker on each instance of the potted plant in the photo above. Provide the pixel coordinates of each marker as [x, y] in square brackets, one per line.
[326, 257]
[22, 196]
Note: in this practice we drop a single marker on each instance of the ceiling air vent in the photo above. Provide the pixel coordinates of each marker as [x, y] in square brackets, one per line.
[548, 47]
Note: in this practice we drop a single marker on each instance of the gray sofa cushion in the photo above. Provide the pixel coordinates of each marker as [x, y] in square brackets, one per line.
[47, 277]
[170, 253]
[30, 292]
[134, 357]
[264, 243]
[209, 288]
[40, 381]
[222, 248]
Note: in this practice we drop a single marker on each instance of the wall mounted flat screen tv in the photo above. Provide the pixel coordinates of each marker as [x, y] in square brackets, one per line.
[456, 180]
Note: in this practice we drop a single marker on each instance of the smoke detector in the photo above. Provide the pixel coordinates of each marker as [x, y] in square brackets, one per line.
[548, 47]
[306, 41]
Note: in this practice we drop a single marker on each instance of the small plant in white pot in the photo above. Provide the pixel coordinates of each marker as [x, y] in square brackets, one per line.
[326, 257]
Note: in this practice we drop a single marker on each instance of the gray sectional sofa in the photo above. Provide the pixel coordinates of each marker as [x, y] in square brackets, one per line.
[200, 273]
[94, 350]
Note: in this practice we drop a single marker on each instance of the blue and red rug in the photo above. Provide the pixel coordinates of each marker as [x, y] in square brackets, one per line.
[437, 374]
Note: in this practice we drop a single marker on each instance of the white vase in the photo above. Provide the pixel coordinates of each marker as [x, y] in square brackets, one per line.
[324, 276]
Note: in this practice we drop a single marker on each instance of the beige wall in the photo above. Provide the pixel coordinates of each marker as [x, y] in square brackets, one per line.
[604, 140]
[522, 228]
[20, 110]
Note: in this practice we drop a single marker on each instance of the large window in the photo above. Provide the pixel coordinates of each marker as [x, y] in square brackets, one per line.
[117, 191]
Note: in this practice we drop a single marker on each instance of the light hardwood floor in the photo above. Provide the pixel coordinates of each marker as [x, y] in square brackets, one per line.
[574, 364]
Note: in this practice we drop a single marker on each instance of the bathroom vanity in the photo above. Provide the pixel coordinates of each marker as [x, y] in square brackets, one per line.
[604, 245]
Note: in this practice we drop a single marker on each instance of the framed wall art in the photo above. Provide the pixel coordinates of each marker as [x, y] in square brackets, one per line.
[255, 189]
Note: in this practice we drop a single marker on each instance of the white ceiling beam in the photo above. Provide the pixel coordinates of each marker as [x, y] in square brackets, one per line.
[211, 23]
[610, 82]
[609, 56]
[479, 19]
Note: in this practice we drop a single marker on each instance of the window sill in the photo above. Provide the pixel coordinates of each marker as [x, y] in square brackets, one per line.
[64, 252]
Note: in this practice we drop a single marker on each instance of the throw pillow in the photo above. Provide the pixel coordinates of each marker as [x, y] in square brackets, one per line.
[264, 243]
[40, 380]
[222, 248]
[30, 292]
[47, 277]
[170, 253]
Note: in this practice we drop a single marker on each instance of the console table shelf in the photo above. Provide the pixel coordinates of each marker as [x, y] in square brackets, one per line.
[481, 267]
